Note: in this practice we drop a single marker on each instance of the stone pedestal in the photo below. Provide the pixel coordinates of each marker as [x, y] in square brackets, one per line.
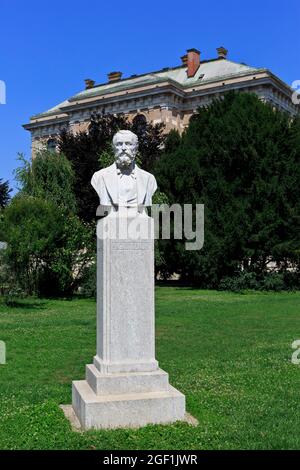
[124, 386]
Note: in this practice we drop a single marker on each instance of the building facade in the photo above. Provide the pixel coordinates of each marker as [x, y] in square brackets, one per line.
[170, 95]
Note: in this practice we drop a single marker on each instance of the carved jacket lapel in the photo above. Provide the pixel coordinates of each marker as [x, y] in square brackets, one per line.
[111, 183]
[141, 183]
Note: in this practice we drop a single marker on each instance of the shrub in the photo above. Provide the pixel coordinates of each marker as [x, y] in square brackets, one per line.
[88, 285]
[49, 176]
[47, 249]
[272, 281]
[238, 283]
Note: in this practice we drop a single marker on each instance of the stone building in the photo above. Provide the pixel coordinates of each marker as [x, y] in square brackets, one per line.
[170, 95]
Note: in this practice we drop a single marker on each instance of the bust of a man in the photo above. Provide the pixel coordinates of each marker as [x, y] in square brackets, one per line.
[123, 183]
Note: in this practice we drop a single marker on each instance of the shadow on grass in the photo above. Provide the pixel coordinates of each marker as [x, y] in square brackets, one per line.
[178, 284]
[36, 303]
[24, 304]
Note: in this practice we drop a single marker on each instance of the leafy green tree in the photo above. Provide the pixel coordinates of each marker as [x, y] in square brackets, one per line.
[240, 158]
[48, 247]
[151, 140]
[74, 254]
[47, 250]
[31, 227]
[172, 141]
[4, 193]
[49, 176]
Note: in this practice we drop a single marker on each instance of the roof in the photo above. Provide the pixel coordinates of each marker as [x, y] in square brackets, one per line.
[209, 70]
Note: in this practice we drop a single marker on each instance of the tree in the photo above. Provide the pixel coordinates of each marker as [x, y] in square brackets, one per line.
[240, 158]
[172, 141]
[48, 247]
[47, 251]
[49, 176]
[31, 227]
[90, 150]
[4, 193]
[151, 140]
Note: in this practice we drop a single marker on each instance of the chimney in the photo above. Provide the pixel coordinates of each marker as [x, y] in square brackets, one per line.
[89, 83]
[114, 76]
[184, 60]
[222, 52]
[193, 61]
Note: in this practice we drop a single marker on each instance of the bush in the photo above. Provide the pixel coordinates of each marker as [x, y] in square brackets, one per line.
[238, 283]
[12, 294]
[273, 281]
[49, 176]
[292, 280]
[47, 249]
[265, 282]
[88, 285]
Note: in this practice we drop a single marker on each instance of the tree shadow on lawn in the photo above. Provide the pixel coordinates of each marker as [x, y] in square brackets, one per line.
[37, 303]
[24, 304]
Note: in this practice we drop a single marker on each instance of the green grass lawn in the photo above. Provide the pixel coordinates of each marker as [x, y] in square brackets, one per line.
[230, 354]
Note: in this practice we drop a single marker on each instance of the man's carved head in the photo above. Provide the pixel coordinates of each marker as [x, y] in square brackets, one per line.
[125, 146]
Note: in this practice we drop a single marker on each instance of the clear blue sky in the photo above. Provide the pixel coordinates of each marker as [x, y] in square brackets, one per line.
[49, 47]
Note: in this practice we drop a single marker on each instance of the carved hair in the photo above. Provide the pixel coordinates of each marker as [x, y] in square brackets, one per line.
[129, 133]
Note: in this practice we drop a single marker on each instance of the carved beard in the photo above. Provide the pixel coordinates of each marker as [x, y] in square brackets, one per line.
[124, 160]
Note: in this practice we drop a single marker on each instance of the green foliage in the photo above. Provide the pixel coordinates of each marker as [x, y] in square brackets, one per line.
[151, 140]
[23, 174]
[73, 254]
[271, 281]
[3, 273]
[50, 177]
[160, 198]
[243, 281]
[274, 282]
[172, 141]
[106, 157]
[239, 158]
[31, 227]
[12, 294]
[160, 262]
[47, 249]
[88, 286]
[10, 289]
[4, 193]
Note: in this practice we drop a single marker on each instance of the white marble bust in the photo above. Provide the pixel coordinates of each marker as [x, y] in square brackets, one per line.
[123, 183]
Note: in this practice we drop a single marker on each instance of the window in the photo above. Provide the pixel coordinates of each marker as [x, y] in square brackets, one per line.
[51, 145]
[139, 120]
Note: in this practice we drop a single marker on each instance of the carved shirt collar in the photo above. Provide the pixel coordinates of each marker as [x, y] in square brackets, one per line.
[121, 173]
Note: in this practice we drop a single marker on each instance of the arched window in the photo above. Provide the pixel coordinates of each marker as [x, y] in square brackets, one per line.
[51, 145]
[139, 120]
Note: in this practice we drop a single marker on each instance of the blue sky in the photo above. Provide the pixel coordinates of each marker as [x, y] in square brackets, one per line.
[48, 48]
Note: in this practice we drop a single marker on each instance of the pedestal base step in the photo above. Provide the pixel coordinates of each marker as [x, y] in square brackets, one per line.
[126, 410]
[133, 382]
